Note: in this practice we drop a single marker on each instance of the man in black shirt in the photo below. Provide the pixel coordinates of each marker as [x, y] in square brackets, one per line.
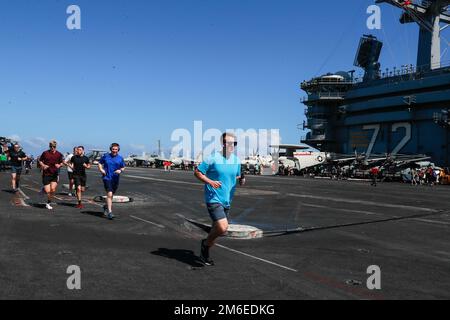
[79, 163]
[16, 157]
[28, 164]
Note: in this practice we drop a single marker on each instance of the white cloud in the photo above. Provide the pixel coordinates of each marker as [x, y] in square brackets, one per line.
[36, 143]
[139, 147]
[14, 137]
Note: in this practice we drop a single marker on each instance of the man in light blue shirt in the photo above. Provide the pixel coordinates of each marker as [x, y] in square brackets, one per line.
[220, 173]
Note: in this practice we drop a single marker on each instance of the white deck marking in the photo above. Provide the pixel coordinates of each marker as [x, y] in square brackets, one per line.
[246, 254]
[22, 202]
[336, 209]
[155, 224]
[432, 221]
[23, 194]
[256, 258]
[38, 191]
[306, 196]
[246, 191]
[367, 203]
[163, 180]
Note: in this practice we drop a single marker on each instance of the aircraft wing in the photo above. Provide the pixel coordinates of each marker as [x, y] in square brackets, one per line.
[376, 159]
[143, 159]
[339, 160]
[408, 161]
[417, 159]
[291, 146]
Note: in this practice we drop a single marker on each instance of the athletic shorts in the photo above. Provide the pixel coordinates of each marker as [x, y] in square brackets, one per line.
[217, 211]
[80, 180]
[70, 174]
[111, 185]
[46, 180]
[16, 170]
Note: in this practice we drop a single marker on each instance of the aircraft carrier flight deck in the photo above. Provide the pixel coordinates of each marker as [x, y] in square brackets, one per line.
[312, 239]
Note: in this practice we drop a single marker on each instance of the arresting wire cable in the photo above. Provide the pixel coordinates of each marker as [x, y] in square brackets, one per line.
[276, 233]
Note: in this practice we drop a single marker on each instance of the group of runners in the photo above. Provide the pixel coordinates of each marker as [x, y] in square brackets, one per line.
[220, 173]
[111, 165]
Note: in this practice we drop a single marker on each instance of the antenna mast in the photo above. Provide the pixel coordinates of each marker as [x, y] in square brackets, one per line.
[428, 15]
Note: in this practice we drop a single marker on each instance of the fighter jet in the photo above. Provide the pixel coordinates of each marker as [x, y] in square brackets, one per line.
[175, 161]
[95, 155]
[144, 160]
[129, 161]
[255, 163]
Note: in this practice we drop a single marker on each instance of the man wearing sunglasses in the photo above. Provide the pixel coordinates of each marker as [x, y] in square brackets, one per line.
[51, 161]
[219, 172]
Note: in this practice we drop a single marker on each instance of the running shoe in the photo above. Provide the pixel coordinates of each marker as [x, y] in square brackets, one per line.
[110, 216]
[204, 254]
[79, 206]
[48, 206]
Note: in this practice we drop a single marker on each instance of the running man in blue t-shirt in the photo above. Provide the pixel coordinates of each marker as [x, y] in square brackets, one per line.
[111, 165]
[219, 172]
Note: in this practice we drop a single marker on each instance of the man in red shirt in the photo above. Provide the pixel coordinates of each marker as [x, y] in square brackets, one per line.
[374, 173]
[50, 161]
[167, 165]
[407, 3]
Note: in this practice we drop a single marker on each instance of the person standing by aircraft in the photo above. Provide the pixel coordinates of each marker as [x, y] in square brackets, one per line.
[50, 162]
[374, 173]
[429, 176]
[413, 177]
[219, 172]
[111, 165]
[79, 163]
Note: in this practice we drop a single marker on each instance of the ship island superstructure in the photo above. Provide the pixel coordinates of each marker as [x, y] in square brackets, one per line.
[398, 111]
